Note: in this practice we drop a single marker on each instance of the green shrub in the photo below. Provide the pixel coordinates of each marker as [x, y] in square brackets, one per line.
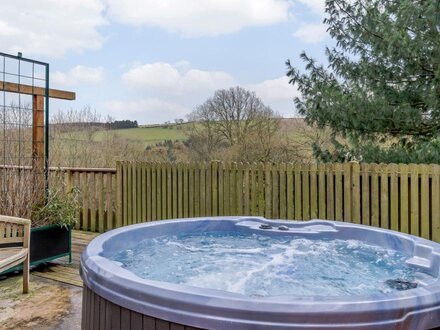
[58, 208]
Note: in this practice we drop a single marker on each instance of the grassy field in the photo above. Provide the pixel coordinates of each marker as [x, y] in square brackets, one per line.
[146, 135]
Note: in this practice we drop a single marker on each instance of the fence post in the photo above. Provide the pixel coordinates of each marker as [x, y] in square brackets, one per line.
[355, 193]
[119, 207]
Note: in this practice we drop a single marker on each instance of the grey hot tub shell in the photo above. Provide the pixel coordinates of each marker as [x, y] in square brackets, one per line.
[114, 295]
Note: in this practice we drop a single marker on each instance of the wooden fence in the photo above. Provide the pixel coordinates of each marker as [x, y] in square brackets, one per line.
[97, 198]
[399, 197]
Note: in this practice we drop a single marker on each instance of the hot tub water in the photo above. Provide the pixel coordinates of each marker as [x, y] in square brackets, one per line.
[259, 265]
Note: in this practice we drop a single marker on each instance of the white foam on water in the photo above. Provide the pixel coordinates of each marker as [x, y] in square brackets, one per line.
[259, 265]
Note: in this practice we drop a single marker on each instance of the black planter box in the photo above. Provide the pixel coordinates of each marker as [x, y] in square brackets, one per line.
[48, 243]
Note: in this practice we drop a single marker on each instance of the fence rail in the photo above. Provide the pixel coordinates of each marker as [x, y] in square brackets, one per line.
[399, 197]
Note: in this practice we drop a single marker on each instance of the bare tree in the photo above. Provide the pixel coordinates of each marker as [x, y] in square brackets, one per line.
[232, 119]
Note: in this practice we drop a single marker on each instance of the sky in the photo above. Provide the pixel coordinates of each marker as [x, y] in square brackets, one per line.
[155, 60]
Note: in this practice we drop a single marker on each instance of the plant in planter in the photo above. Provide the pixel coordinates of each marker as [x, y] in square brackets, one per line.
[52, 221]
[57, 208]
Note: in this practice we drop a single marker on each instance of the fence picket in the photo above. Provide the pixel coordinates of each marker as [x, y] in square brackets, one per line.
[424, 202]
[414, 206]
[404, 201]
[375, 196]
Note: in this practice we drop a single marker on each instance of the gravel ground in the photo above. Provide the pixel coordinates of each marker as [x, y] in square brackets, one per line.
[48, 305]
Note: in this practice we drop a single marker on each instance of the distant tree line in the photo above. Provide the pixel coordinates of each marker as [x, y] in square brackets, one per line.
[118, 124]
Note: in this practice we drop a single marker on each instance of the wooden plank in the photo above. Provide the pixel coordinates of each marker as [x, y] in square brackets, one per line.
[290, 199]
[227, 189]
[135, 321]
[347, 191]
[95, 311]
[305, 182]
[108, 200]
[356, 202]
[174, 189]
[339, 194]
[34, 90]
[435, 202]
[159, 191]
[196, 190]
[125, 318]
[191, 190]
[239, 189]
[130, 194]
[254, 189]
[38, 141]
[404, 200]
[394, 197]
[143, 202]
[261, 190]
[180, 191]
[221, 171]
[153, 205]
[330, 188]
[313, 191]
[115, 317]
[202, 189]
[108, 311]
[414, 198]
[215, 188]
[247, 169]
[322, 191]
[185, 192]
[139, 217]
[298, 192]
[375, 196]
[149, 203]
[208, 189]
[232, 189]
[134, 192]
[283, 191]
[100, 192]
[275, 192]
[164, 191]
[384, 198]
[424, 202]
[92, 200]
[365, 177]
[85, 201]
[149, 323]
[162, 325]
[268, 190]
[119, 195]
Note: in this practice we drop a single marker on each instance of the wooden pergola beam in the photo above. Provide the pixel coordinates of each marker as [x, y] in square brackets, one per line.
[33, 90]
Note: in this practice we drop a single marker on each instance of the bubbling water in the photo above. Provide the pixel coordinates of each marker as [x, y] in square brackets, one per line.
[261, 266]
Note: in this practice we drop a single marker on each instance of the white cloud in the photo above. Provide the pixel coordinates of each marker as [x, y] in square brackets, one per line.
[318, 6]
[276, 93]
[50, 27]
[153, 110]
[196, 18]
[311, 33]
[77, 75]
[155, 75]
[274, 89]
[176, 79]
[184, 87]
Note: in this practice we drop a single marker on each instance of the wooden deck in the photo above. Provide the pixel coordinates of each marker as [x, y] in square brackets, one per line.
[60, 270]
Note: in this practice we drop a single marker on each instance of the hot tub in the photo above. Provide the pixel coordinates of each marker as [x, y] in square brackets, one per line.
[120, 296]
